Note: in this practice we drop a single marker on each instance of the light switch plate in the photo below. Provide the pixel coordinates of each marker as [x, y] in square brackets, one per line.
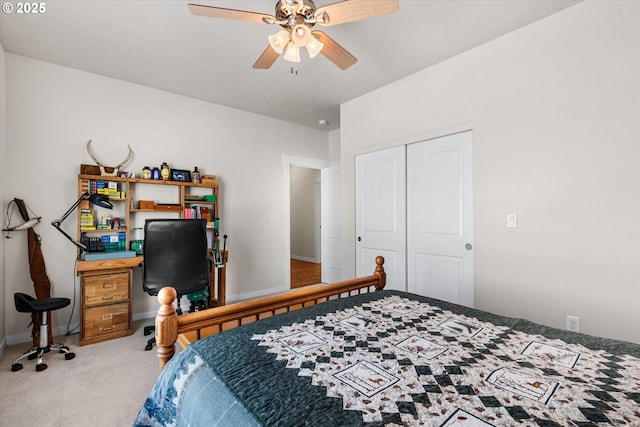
[512, 220]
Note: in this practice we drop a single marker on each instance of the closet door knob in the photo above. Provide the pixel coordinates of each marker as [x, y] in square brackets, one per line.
[468, 246]
[359, 239]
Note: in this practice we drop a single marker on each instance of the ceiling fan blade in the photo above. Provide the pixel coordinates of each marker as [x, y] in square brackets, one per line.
[240, 15]
[267, 59]
[354, 10]
[334, 52]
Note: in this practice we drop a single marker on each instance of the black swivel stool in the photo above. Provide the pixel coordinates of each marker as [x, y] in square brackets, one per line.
[27, 304]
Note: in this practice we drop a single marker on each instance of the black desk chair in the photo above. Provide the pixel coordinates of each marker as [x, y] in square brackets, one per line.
[176, 255]
[27, 304]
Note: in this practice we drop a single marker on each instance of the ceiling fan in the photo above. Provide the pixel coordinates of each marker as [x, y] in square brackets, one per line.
[297, 17]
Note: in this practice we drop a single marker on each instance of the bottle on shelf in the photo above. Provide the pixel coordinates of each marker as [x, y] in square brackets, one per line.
[164, 171]
[195, 175]
[146, 172]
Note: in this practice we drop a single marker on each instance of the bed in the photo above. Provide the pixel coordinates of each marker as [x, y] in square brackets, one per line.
[352, 353]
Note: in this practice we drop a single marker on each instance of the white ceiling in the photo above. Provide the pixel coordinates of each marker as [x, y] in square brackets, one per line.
[158, 43]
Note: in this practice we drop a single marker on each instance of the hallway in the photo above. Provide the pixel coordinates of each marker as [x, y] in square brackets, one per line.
[304, 273]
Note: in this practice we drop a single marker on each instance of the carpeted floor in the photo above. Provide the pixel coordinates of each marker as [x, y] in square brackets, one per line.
[104, 385]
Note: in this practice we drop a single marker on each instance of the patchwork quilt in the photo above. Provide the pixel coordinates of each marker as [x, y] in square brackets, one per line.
[393, 358]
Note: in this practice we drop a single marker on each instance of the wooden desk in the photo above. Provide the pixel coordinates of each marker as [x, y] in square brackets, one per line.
[109, 264]
[106, 294]
[105, 298]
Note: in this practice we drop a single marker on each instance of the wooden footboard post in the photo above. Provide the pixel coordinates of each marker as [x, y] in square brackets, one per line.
[379, 271]
[166, 325]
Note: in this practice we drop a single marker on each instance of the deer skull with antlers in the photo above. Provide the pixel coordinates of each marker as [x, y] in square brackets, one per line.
[116, 169]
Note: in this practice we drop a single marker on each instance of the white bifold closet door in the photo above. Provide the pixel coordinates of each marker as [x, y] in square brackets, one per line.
[440, 218]
[381, 214]
[414, 207]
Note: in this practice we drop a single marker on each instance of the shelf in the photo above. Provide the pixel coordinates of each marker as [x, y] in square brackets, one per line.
[103, 230]
[180, 183]
[156, 210]
[199, 202]
[103, 178]
[148, 181]
[189, 195]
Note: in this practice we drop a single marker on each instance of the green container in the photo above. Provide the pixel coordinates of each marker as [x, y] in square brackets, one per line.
[137, 245]
[111, 246]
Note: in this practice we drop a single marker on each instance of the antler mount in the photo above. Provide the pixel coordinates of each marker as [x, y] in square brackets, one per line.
[103, 168]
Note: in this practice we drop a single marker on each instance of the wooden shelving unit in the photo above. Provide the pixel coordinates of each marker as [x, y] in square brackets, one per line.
[106, 285]
[128, 204]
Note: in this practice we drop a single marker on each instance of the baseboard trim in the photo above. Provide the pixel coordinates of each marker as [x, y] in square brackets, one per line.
[256, 294]
[26, 336]
[305, 259]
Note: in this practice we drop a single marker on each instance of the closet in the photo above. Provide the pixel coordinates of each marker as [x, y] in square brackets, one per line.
[414, 206]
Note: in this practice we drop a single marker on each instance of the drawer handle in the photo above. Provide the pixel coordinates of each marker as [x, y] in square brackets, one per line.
[106, 329]
[108, 285]
[107, 316]
[111, 297]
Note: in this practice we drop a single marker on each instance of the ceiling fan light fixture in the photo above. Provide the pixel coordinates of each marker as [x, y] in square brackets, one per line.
[301, 35]
[314, 46]
[297, 18]
[279, 40]
[293, 53]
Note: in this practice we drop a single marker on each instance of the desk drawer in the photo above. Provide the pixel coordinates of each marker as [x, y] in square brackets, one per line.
[106, 289]
[105, 320]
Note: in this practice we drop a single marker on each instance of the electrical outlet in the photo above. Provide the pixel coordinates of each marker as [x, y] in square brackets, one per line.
[573, 323]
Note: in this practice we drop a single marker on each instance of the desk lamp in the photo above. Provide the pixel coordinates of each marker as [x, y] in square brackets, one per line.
[95, 199]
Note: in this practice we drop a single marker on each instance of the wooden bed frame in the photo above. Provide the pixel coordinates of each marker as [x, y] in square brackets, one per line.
[185, 329]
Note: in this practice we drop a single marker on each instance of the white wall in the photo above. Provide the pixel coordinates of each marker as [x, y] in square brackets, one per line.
[555, 113]
[334, 147]
[3, 144]
[51, 113]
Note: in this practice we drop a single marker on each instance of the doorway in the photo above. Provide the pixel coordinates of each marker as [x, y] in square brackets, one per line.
[305, 208]
[323, 200]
